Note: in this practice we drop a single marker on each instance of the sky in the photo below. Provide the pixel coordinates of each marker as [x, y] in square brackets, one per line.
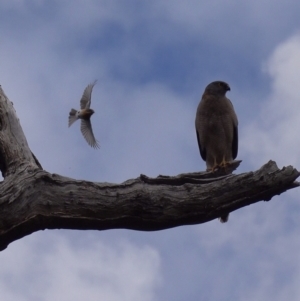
[152, 60]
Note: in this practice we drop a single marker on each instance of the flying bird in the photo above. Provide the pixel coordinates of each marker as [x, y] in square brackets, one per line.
[217, 128]
[85, 115]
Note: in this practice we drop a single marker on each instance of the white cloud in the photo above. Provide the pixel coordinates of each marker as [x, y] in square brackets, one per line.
[275, 134]
[120, 271]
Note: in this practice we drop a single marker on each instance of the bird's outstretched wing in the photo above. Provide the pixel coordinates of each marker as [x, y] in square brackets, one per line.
[87, 132]
[85, 101]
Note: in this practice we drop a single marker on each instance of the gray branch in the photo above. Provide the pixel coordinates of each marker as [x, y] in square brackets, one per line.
[32, 199]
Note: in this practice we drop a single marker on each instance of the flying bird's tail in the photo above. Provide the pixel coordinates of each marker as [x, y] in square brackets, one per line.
[73, 117]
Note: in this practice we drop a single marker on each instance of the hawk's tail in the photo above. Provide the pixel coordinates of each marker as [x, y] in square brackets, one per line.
[73, 117]
[224, 218]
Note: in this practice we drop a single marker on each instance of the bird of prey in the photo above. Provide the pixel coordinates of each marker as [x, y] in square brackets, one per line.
[217, 128]
[85, 115]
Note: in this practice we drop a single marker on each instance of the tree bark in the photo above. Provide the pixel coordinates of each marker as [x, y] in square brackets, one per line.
[32, 199]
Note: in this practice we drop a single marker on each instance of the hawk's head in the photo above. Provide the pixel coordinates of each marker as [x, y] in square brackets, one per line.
[217, 87]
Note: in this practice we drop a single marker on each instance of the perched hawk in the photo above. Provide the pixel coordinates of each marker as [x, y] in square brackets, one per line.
[217, 128]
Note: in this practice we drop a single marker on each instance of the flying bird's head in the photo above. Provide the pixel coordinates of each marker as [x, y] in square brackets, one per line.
[218, 88]
[90, 111]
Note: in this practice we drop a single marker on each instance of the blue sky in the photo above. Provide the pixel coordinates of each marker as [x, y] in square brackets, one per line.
[152, 61]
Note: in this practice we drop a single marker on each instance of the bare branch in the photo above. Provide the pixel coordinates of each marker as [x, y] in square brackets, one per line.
[14, 150]
[38, 200]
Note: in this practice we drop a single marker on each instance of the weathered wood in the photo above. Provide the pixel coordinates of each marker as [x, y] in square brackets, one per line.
[14, 150]
[196, 177]
[32, 199]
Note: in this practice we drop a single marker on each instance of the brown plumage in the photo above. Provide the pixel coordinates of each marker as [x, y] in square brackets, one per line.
[217, 128]
[85, 115]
